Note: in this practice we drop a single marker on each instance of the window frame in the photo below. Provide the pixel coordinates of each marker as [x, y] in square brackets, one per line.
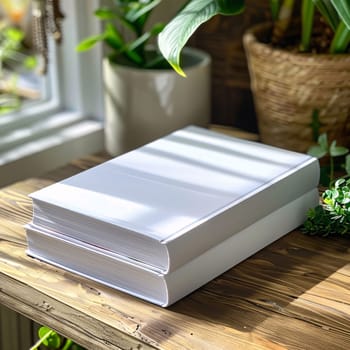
[70, 124]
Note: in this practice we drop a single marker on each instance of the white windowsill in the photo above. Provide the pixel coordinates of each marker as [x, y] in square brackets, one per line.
[50, 151]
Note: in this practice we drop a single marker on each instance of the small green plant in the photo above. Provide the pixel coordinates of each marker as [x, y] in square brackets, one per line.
[52, 340]
[332, 217]
[124, 19]
[331, 150]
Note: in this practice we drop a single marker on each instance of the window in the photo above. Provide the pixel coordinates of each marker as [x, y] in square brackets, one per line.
[68, 122]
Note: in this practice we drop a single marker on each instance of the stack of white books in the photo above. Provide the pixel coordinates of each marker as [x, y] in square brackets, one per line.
[164, 219]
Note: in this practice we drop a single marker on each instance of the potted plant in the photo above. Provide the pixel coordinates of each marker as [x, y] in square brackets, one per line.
[290, 78]
[144, 98]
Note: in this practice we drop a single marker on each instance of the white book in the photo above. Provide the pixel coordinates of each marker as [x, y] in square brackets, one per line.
[164, 289]
[174, 198]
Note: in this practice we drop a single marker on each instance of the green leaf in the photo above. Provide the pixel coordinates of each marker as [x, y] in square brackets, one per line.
[275, 6]
[323, 141]
[14, 34]
[30, 62]
[50, 338]
[283, 20]
[157, 28]
[68, 344]
[343, 9]
[317, 151]
[307, 19]
[139, 41]
[89, 42]
[139, 11]
[178, 31]
[328, 12]
[339, 182]
[336, 151]
[105, 14]
[112, 37]
[341, 39]
[130, 49]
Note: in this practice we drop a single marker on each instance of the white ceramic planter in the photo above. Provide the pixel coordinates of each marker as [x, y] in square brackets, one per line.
[142, 105]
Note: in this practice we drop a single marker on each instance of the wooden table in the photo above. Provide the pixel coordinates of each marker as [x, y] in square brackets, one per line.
[294, 294]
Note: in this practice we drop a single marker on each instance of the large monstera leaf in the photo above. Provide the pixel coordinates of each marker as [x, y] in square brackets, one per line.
[176, 34]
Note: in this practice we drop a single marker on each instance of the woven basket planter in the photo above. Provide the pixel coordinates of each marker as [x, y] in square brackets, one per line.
[287, 87]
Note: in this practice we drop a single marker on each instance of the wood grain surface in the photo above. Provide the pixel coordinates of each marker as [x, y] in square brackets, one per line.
[294, 294]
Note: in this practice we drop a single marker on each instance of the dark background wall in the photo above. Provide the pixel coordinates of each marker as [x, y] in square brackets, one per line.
[222, 37]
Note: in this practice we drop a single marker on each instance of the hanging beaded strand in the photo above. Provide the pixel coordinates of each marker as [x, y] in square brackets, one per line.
[46, 18]
[54, 19]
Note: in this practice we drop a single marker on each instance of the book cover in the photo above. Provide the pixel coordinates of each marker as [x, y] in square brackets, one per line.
[174, 198]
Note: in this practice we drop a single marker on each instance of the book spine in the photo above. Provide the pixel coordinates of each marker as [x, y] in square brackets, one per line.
[233, 219]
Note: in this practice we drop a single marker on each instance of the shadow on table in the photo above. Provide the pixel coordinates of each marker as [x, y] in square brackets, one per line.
[286, 287]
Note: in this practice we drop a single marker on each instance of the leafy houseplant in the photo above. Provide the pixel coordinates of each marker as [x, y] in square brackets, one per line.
[124, 19]
[144, 98]
[332, 217]
[297, 64]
